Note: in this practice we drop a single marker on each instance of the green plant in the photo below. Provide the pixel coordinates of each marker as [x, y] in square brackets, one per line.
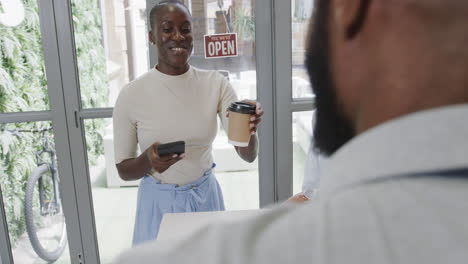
[243, 24]
[23, 87]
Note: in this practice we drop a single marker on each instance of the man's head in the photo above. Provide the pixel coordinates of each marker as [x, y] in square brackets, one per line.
[374, 60]
[171, 31]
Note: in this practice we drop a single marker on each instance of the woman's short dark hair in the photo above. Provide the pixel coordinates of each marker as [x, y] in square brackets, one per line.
[155, 10]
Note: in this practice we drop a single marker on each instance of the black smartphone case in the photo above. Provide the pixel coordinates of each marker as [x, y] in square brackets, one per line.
[177, 147]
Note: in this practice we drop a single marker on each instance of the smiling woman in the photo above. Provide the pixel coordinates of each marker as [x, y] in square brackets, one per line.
[174, 101]
[171, 31]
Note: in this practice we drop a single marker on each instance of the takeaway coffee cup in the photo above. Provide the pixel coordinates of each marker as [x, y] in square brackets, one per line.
[239, 123]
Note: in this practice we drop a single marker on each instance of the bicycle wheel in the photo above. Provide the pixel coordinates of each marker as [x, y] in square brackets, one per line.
[45, 224]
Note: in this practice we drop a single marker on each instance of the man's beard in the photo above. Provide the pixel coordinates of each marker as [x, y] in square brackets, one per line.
[331, 129]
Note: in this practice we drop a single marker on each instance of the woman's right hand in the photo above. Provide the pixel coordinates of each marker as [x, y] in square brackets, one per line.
[161, 163]
[298, 198]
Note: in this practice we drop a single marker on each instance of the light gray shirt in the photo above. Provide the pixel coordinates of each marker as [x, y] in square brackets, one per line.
[411, 220]
[312, 172]
[312, 168]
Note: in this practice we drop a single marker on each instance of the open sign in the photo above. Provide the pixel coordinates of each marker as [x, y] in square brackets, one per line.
[220, 45]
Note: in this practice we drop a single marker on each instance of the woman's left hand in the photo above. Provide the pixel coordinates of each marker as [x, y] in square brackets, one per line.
[254, 119]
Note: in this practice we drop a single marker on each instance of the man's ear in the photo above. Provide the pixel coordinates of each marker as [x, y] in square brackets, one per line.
[348, 16]
[151, 37]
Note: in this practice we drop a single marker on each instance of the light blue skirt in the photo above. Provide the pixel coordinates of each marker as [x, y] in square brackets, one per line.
[156, 199]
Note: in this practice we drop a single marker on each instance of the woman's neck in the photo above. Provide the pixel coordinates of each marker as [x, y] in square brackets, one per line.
[170, 70]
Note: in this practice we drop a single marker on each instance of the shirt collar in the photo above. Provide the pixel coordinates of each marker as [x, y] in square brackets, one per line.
[430, 140]
[183, 76]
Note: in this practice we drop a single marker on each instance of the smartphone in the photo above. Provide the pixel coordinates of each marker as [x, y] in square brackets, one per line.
[177, 147]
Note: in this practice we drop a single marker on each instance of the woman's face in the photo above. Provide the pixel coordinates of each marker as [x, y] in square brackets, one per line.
[173, 37]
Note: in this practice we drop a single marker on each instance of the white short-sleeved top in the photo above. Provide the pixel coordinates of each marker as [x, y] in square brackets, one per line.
[162, 108]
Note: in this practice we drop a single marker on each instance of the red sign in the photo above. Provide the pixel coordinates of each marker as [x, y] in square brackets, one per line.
[220, 45]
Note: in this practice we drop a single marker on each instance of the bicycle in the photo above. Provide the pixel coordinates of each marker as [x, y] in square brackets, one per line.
[42, 206]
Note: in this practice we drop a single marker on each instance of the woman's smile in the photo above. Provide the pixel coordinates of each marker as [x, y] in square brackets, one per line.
[178, 51]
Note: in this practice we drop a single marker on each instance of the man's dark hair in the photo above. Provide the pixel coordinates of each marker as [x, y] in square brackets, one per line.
[155, 10]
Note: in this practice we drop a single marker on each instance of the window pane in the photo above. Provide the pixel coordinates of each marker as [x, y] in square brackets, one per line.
[111, 46]
[115, 200]
[301, 13]
[23, 84]
[34, 212]
[234, 174]
[114, 207]
[235, 16]
[303, 165]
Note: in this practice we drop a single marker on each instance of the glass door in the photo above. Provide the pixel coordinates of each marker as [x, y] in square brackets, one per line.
[91, 48]
[294, 103]
[107, 47]
[306, 163]
[119, 42]
[37, 199]
[232, 16]
[107, 44]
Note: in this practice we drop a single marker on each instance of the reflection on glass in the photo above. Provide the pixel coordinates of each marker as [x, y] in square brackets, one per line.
[23, 84]
[234, 16]
[31, 195]
[302, 136]
[111, 46]
[125, 51]
[301, 13]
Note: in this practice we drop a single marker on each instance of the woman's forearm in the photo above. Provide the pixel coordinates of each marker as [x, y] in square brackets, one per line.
[134, 169]
[250, 152]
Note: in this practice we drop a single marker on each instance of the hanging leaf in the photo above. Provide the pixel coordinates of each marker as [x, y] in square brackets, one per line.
[5, 142]
[11, 46]
[6, 82]
[243, 23]
[31, 18]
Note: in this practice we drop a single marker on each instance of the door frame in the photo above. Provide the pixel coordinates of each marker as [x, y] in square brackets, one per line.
[285, 105]
[56, 114]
